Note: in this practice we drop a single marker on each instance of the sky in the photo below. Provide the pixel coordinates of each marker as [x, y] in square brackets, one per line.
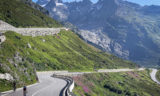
[146, 2]
[141, 2]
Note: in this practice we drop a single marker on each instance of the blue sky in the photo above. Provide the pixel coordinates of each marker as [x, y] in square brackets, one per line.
[146, 2]
[141, 2]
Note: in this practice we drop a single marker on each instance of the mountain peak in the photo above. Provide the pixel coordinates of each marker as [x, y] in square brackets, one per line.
[87, 1]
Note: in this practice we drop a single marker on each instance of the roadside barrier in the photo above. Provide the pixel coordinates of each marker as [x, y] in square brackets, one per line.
[67, 90]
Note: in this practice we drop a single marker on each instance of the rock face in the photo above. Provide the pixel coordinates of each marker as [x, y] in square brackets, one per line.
[125, 29]
[43, 2]
[35, 6]
[2, 39]
[59, 10]
[6, 76]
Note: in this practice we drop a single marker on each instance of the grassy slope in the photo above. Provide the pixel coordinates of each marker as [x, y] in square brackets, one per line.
[65, 51]
[116, 84]
[12, 60]
[19, 14]
[158, 75]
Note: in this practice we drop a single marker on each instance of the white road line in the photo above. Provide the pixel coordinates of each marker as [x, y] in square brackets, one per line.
[34, 94]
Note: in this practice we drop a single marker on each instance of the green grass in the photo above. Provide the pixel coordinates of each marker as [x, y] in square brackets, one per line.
[19, 14]
[8, 85]
[5, 85]
[13, 57]
[65, 51]
[116, 84]
[158, 75]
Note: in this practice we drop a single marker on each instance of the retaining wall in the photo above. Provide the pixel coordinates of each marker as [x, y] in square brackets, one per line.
[29, 31]
[4, 25]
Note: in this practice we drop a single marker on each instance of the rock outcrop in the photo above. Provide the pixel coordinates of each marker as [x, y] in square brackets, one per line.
[6, 76]
[2, 38]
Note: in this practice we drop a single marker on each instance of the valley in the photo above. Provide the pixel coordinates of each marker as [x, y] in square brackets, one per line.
[122, 28]
[79, 48]
[26, 53]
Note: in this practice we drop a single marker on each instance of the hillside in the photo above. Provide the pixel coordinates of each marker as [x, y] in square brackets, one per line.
[13, 63]
[64, 51]
[122, 28]
[19, 14]
[22, 55]
[116, 84]
[35, 6]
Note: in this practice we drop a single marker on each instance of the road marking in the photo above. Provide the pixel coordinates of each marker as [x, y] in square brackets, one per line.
[34, 94]
[39, 90]
[73, 73]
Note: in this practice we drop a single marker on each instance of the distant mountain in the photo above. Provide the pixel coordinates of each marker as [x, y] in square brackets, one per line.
[21, 56]
[35, 6]
[125, 29]
[58, 10]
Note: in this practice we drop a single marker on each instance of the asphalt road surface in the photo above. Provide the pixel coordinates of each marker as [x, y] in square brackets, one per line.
[153, 75]
[48, 86]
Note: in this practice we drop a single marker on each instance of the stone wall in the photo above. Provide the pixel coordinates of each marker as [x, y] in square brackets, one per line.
[4, 25]
[36, 31]
[29, 31]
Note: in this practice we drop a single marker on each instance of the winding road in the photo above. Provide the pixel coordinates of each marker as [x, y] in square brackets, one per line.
[48, 86]
[153, 76]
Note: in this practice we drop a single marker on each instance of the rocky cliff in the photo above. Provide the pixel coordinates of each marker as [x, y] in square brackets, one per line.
[35, 6]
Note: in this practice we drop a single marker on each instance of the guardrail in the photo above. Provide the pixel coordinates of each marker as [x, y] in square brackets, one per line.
[67, 90]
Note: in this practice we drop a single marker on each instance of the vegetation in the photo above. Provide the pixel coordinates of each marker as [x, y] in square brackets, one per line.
[116, 84]
[5, 85]
[19, 14]
[8, 85]
[12, 59]
[158, 75]
[19, 55]
[64, 51]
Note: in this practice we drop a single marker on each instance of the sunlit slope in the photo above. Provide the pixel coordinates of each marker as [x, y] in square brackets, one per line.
[65, 51]
[116, 84]
[19, 14]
